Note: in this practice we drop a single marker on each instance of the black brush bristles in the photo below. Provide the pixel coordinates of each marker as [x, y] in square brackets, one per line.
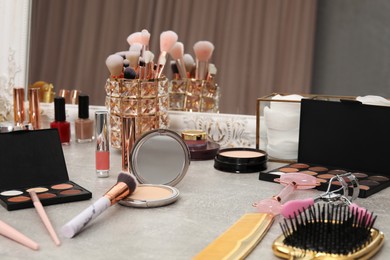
[332, 229]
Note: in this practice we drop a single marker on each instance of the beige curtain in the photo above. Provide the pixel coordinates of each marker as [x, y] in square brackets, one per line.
[261, 46]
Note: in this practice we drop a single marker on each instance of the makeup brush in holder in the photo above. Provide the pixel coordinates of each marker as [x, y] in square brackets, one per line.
[193, 87]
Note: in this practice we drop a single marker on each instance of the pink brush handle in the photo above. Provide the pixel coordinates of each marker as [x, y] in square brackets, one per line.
[285, 192]
[8, 231]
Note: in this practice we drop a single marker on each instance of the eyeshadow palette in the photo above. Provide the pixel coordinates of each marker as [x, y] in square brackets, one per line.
[342, 136]
[35, 160]
[369, 183]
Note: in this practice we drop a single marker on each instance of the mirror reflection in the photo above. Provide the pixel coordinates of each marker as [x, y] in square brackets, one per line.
[159, 159]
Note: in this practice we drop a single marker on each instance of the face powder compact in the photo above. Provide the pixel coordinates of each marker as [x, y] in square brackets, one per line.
[159, 160]
[241, 160]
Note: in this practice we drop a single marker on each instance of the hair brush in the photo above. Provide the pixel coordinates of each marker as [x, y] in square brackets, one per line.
[329, 231]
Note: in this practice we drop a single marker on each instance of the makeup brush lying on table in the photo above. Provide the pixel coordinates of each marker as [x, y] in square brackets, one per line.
[125, 186]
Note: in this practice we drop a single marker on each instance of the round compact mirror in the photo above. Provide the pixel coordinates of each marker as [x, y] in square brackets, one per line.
[159, 160]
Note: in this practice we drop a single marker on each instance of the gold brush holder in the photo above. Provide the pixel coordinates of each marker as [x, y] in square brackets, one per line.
[145, 100]
[194, 95]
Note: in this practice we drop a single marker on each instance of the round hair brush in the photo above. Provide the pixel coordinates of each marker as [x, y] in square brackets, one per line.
[125, 186]
[329, 231]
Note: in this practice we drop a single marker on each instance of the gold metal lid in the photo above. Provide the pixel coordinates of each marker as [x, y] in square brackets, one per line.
[193, 135]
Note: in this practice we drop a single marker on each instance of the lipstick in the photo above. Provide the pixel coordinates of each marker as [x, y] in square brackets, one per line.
[102, 144]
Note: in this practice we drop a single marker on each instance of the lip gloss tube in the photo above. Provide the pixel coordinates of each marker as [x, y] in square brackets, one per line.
[102, 144]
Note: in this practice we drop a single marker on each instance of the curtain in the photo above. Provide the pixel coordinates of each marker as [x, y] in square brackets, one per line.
[261, 46]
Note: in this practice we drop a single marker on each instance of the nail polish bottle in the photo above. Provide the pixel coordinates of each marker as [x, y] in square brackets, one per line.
[102, 144]
[60, 122]
[83, 125]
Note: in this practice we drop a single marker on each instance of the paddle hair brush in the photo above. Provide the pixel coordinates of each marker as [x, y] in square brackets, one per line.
[329, 232]
[125, 186]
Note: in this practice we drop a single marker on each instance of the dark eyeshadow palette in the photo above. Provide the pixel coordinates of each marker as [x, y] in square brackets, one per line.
[347, 135]
[35, 160]
[368, 183]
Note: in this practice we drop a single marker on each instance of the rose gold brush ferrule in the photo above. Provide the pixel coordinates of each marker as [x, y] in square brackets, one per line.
[128, 140]
[19, 106]
[161, 63]
[201, 69]
[118, 192]
[33, 107]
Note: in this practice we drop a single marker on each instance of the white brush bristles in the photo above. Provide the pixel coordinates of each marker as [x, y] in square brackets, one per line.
[203, 50]
[114, 64]
[189, 61]
[167, 40]
[177, 51]
[134, 38]
[149, 56]
[136, 47]
[133, 57]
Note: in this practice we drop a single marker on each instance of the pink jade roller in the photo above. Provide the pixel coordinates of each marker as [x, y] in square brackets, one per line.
[292, 182]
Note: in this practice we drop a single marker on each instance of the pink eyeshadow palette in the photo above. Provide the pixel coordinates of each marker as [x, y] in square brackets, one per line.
[344, 134]
[369, 183]
[35, 160]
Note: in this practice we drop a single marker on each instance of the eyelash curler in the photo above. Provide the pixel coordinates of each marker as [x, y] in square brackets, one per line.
[295, 181]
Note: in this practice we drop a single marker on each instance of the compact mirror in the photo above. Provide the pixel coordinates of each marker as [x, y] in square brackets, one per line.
[159, 160]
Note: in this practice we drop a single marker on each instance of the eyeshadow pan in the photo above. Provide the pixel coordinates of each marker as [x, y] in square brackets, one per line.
[318, 169]
[325, 176]
[62, 186]
[364, 187]
[287, 169]
[11, 193]
[38, 189]
[46, 195]
[378, 178]
[321, 180]
[309, 172]
[70, 192]
[300, 165]
[19, 199]
[337, 171]
[360, 175]
[369, 183]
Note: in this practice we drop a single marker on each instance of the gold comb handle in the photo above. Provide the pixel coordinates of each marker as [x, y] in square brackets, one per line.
[240, 239]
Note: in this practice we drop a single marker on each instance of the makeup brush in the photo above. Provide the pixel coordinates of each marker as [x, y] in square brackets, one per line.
[45, 219]
[203, 51]
[135, 37]
[125, 186]
[130, 73]
[145, 37]
[148, 57]
[114, 64]
[133, 56]
[136, 47]
[177, 53]
[212, 72]
[174, 69]
[189, 63]
[8, 231]
[167, 40]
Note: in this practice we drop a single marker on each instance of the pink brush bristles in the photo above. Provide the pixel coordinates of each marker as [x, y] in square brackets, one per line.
[177, 53]
[167, 40]
[203, 51]
[134, 38]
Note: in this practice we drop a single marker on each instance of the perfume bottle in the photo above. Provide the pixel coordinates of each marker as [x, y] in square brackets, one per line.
[60, 122]
[83, 125]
